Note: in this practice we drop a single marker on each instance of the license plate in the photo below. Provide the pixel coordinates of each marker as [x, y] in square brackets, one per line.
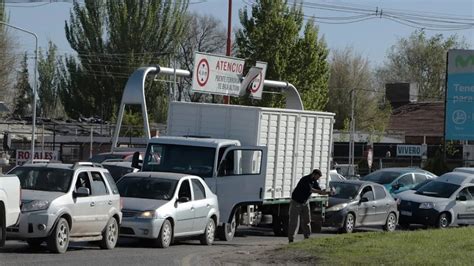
[406, 213]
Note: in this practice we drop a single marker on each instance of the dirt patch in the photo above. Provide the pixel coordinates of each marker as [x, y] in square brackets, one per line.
[262, 255]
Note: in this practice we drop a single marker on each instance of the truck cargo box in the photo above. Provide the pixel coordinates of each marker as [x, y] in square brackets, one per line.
[297, 141]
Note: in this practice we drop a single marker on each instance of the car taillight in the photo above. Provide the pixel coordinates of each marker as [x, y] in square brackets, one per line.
[121, 203]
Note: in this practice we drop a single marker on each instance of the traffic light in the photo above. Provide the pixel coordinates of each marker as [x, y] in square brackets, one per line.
[7, 142]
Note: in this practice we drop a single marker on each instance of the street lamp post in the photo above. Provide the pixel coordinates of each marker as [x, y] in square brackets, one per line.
[33, 133]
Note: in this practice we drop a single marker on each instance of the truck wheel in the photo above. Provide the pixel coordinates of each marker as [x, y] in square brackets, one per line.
[280, 225]
[165, 236]
[208, 237]
[3, 228]
[109, 235]
[226, 232]
[58, 241]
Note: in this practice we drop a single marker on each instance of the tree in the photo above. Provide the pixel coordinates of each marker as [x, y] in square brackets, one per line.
[49, 103]
[23, 91]
[113, 38]
[271, 33]
[8, 58]
[204, 34]
[350, 71]
[422, 60]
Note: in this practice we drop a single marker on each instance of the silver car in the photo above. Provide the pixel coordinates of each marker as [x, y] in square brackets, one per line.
[163, 206]
[65, 202]
[445, 201]
[360, 203]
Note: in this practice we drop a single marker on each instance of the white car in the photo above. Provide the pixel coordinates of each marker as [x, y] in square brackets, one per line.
[65, 202]
[163, 206]
[9, 203]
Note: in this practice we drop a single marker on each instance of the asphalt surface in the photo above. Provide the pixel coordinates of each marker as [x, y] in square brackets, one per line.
[131, 252]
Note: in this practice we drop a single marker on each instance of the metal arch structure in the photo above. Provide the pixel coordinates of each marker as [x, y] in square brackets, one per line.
[134, 94]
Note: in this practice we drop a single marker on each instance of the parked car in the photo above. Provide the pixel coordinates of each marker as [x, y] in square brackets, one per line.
[119, 168]
[360, 203]
[10, 192]
[164, 206]
[464, 169]
[65, 202]
[112, 156]
[446, 201]
[413, 189]
[400, 179]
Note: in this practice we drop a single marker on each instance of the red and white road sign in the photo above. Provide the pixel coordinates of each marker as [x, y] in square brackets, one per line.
[217, 74]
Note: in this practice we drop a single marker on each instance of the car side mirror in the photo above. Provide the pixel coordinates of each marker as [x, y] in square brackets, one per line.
[462, 198]
[183, 199]
[82, 192]
[136, 160]
[364, 199]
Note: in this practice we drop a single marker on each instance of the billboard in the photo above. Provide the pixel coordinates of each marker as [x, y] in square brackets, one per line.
[459, 112]
[216, 74]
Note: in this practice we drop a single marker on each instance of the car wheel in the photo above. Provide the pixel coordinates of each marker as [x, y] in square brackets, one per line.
[35, 242]
[58, 241]
[165, 236]
[349, 223]
[3, 228]
[391, 223]
[208, 237]
[226, 232]
[109, 235]
[443, 221]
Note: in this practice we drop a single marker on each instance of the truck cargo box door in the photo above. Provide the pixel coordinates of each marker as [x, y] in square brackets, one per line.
[241, 177]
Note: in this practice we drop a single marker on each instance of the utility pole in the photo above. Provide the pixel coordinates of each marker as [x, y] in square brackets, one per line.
[229, 41]
[352, 133]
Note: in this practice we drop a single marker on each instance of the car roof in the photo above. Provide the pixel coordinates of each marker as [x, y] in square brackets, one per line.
[457, 178]
[166, 175]
[403, 169]
[357, 182]
[464, 169]
[64, 165]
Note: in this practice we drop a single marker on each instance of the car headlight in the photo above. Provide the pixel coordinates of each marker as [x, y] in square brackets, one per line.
[427, 205]
[337, 207]
[147, 215]
[35, 205]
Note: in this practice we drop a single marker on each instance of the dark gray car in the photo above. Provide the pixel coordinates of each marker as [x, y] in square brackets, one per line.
[360, 203]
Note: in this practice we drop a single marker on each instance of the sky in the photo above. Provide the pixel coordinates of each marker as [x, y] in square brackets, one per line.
[372, 36]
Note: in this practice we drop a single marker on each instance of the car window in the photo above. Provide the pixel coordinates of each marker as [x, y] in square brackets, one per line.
[83, 181]
[466, 193]
[437, 189]
[111, 182]
[185, 190]
[146, 188]
[198, 190]
[367, 193]
[406, 180]
[118, 171]
[420, 178]
[344, 190]
[98, 185]
[379, 192]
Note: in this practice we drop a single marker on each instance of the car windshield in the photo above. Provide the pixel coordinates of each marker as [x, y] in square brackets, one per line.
[180, 159]
[118, 171]
[382, 177]
[437, 189]
[44, 178]
[344, 190]
[419, 185]
[147, 187]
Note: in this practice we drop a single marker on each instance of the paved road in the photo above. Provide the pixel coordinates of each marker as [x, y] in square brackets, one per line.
[131, 252]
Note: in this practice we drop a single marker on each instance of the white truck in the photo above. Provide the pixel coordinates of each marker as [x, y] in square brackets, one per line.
[251, 157]
[10, 191]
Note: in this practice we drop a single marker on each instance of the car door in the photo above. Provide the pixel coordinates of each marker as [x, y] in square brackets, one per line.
[185, 212]
[201, 204]
[382, 205]
[101, 201]
[82, 209]
[240, 178]
[464, 209]
[366, 210]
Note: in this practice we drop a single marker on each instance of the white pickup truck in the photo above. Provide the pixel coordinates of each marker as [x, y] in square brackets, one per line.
[10, 191]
